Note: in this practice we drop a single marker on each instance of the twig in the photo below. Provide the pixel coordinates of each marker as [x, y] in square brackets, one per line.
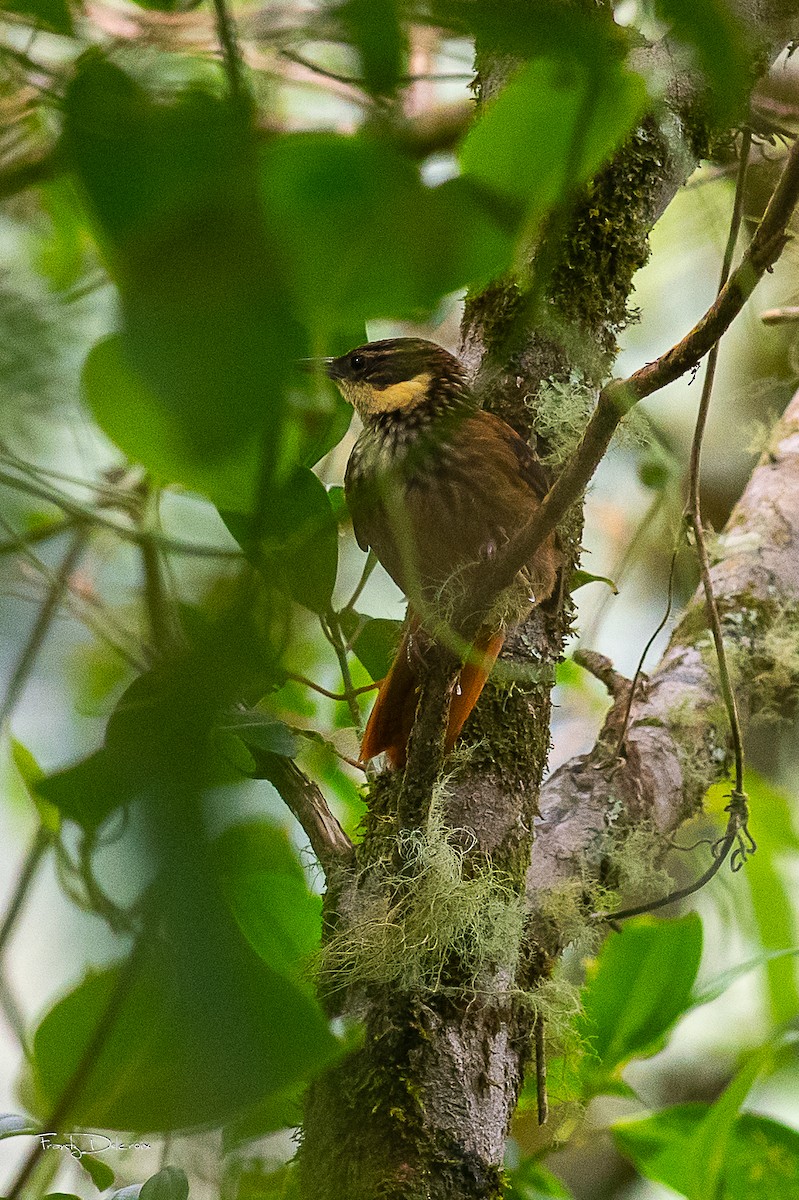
[226, 31]
[32, 859]
[640, 665]
[602, 669]
[694, 508]
[541, 1070]
[342, 697]
[162, 622]
[737, 830]
[80, 512]
[52, 601]
[368, 568]
[330, 843]
[332, 631]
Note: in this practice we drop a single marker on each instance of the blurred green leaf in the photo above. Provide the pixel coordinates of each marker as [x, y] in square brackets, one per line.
[61, 1196]
[31, 775]
[717, 34]
[374, 28]
[169, 1184]
[98, 1171]
[265, 887]
[283, 1111]
[46, 14]
[187, 1047]
[366, 238]
[716, 986]
[761, 1158]
[144, 429]
[90, 790]
[376, 643]
[551, 128]
[261, 731]
[639, 986]
[558, 30]
[660, 1145]
[63, 249]
[172, 188]
[297, 547]
[715, 1134]
[772, 891]
[532, 1181]
[317, 419]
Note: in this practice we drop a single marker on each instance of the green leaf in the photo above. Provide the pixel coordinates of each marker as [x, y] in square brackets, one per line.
[298, 543]
[46, 14]
[722, 45]
[31, 775]
[61, 1196]
[98, 1171]
[91, 790]
[532, 1181]
[261, 731]
[12, 1125]
[278, 1112]
[169, 1184]
[640, 985]
[141, 426]
[171, 186]
[712, 1139]
[265, 886]
[366, 238]
[716, 986]
[772, 892]
[580, 578]
[376, 643]
[373, 27]
[194, 1042]
[317, 418]
[551, 128]
[660, 1145]
[761, 1155]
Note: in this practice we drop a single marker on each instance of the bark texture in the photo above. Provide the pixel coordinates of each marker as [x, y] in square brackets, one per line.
[430, 939]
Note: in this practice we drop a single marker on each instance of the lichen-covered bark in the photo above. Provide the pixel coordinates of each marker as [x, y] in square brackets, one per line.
[421, 1110]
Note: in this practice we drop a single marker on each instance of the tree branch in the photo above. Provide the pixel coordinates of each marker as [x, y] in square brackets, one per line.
[678, 736]
[328, 840]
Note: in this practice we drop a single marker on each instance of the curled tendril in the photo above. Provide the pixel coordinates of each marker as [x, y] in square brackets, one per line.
[738, 808]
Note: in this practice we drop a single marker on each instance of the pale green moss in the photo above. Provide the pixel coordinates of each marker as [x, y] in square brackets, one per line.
[436, 913]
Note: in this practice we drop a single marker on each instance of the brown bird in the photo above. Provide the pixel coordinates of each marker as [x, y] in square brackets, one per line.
[436, 487]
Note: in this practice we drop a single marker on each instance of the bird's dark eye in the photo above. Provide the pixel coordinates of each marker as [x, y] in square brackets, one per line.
[357, 362]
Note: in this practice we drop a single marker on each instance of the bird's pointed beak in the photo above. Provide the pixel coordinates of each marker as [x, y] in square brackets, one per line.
[314, 365]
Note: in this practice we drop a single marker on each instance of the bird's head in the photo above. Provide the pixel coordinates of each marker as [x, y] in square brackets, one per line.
[395, 374]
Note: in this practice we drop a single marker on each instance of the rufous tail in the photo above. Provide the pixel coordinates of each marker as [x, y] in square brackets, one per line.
[391, 720]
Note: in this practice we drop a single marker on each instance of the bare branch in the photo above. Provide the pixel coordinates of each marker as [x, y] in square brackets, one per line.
[329, 841]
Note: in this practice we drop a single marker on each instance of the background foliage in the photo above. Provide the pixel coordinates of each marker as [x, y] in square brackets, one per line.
[180, 229]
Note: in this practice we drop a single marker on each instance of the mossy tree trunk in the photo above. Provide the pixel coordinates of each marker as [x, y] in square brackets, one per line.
[429, 941]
